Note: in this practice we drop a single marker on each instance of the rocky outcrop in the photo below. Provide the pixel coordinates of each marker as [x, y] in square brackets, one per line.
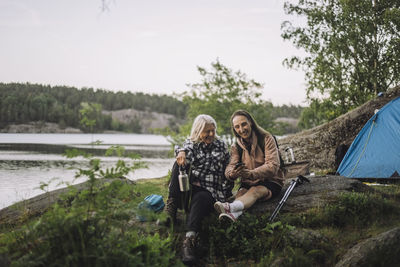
[370, 252]
[317, 145]
[148, 120]
[316, 193]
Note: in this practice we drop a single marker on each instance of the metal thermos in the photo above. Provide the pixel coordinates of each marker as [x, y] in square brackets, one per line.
[183, 180]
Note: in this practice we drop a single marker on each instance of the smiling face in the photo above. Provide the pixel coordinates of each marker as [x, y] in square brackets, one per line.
[242, 127]
[208, 134]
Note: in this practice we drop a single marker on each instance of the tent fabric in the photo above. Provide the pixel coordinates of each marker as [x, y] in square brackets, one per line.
[375, 152]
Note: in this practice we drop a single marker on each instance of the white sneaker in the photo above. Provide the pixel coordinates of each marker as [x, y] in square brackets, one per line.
[230, 215]
[222, 207]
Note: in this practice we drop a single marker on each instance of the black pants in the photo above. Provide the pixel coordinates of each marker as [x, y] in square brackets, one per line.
[273, 187]
[197, 202]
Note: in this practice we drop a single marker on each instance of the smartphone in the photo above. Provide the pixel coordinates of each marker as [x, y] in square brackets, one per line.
[239, 164]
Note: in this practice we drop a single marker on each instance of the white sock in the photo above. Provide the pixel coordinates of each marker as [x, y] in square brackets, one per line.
[190, 233]
[236, 206]
[237, 214]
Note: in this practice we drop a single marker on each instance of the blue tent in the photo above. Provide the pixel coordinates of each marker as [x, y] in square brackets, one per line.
[375, 153]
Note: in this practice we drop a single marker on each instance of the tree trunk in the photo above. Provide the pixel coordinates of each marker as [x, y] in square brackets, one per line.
[318, 145]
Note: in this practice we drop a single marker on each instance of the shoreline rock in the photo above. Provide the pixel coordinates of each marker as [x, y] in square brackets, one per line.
[38, 127]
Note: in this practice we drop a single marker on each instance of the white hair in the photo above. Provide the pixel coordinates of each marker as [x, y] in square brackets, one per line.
[199, 124]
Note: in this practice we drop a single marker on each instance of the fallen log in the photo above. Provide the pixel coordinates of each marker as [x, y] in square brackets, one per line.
[318, 145]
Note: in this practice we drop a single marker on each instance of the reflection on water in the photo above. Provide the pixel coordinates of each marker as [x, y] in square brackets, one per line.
[81, 139]
[20, 179]
[24, 166]
[161, 151]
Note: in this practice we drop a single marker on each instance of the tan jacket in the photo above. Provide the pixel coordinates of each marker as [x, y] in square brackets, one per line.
[262, 167]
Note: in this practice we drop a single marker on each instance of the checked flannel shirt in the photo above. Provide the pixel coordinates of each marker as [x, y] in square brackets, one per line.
[208, 166]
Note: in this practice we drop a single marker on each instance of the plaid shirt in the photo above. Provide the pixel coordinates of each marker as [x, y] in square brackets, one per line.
[208, 166]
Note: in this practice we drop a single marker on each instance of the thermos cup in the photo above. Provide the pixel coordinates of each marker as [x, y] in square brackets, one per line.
[183, 180]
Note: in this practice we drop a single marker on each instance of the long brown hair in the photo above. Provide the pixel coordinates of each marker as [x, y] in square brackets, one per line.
[258, 130]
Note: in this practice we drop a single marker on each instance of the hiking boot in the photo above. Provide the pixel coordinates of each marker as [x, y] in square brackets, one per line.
[171, 208]
[222, 207]
[188, 248]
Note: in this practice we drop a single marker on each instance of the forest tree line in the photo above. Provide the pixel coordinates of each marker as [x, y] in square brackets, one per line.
[24, 102]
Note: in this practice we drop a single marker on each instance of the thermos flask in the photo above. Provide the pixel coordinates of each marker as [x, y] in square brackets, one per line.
[183, 180]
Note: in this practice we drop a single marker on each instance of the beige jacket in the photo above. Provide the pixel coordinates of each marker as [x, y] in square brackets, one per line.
[262, 167]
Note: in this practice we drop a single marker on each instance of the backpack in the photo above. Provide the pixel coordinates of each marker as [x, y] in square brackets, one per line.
[261, 144]
[340, 152]
[151, 203]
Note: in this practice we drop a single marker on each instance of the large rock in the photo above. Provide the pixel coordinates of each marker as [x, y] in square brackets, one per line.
[381, 250]
[318, 145]
[318, 192]
[148, 120]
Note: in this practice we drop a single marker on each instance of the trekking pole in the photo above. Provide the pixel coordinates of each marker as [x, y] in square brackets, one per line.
[299, 180]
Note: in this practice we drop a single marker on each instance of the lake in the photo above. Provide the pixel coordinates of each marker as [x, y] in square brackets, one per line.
[27, 160]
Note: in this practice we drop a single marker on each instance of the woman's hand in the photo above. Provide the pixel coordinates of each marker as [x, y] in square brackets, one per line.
[181, 158]
[246, 174]
[247, 177]
[236, 172]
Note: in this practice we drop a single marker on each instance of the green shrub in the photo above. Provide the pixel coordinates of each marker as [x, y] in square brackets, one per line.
[101, 236]
[293, 257]
[296, 258]
[95, 227]
[251, 237]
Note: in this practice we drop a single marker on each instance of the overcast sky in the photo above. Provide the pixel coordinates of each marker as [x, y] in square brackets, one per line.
[151, 46]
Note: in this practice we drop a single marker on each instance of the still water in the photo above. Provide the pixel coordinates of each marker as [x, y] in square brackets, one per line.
[29, 160]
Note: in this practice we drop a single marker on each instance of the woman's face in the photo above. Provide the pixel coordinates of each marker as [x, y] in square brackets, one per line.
[242, 126]
[208, 134]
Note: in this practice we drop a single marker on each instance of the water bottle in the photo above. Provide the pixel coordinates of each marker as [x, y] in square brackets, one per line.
[183, 180]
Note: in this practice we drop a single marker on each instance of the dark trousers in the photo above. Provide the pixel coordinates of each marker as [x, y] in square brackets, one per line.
[197, 202]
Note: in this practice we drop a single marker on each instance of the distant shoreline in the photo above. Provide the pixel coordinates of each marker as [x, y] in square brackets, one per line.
[38, 127]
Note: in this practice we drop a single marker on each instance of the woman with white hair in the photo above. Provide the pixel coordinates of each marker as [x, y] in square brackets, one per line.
[205, 158]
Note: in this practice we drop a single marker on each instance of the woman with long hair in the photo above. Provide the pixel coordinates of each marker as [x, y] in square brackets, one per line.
[255, 161]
